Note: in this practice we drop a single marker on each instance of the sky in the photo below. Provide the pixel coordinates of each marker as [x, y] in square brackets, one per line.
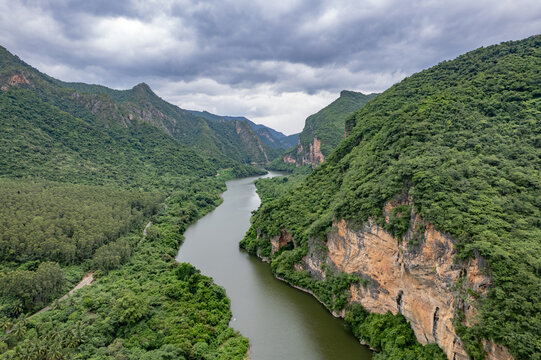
[275, 62]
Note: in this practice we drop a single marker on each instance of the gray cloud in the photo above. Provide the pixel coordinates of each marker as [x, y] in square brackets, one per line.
[249, 51]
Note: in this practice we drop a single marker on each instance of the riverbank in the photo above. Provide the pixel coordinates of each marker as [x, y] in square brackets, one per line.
[280, 321]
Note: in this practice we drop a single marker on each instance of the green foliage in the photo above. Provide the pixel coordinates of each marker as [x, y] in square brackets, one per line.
[149, 308]
[328, 124]
[31, 289]
[399, 221]
[63, 222]
[112, 256]
[42, 141]
[390, 335]
[278, 164]
[462, 138]
[87, 166]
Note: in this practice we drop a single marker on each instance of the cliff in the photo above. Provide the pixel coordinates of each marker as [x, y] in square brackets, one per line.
[325, 129]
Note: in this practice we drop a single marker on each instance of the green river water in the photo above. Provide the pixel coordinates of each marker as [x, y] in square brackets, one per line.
[280, 321]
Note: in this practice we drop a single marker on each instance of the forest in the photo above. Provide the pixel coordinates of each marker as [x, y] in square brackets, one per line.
[463, 140]
[150, 307]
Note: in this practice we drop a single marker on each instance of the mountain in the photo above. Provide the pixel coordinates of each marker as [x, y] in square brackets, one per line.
[270, 137]
[428, 210]
[118, 111]
[325, 129]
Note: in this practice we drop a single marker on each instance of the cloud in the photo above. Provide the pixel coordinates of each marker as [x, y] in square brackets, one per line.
[266, 60]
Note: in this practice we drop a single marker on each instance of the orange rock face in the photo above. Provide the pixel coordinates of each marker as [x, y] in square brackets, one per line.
[280, 241]
[312, 157]
[17, 79]
[315, 157]
[288, 159]
[417, 281]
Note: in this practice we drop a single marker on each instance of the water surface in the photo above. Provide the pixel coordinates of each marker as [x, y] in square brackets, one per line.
[280, 321]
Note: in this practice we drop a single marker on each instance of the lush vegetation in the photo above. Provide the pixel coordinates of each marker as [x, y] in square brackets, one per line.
[328, 124]
[83, 169]
[149, 308]
[118, 112]
[390, 335]
[270, 137]
[40, 140]
[45, 224]
[464, 140]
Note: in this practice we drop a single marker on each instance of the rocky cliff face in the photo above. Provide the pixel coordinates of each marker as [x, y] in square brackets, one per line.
[312, 157]
[325, 129]
[417, 276]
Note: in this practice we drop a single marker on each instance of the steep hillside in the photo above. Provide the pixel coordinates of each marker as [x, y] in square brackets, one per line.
[270, 137]
[119, 110]
[325, 129]
[42, 141]
[430, 210]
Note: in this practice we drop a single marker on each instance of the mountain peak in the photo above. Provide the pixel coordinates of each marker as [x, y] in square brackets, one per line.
[142, 87]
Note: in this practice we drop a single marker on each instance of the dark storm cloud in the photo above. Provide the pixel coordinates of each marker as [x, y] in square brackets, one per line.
[294, 46]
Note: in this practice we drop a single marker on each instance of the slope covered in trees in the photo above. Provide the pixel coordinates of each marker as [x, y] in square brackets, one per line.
[323, 131]
[117, 111]
[270, 137]
[149, 308]
[463, 140]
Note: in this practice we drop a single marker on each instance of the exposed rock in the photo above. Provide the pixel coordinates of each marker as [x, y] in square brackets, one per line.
[415, 278]
[315, 157]
[251, 141]
[315, 259]
[279, 241]
[288, 159]
[312, 157]
[18, 79]
[496, 352]
[418, 282]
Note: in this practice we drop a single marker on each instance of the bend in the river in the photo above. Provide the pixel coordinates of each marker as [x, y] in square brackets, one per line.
[280, 321]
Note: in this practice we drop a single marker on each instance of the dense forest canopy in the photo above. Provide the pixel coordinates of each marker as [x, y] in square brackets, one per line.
[149, 307]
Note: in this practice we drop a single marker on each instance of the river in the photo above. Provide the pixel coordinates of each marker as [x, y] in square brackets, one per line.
[280, 321]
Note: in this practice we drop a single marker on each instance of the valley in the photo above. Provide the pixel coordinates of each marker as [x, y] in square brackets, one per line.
[397, 225]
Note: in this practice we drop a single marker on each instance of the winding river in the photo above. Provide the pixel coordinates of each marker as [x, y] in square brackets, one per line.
[280, 321]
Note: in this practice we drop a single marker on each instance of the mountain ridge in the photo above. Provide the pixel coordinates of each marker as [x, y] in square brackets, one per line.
[272, 138]
[112, 107]
[323, 130]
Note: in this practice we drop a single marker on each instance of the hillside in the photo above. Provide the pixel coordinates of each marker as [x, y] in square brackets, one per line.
[428, 210]
[325, 129]
[117, 111]
[270, 137]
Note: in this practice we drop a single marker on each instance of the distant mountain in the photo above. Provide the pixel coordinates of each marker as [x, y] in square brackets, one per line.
[324, 130]
[270, 137]
[120, 115]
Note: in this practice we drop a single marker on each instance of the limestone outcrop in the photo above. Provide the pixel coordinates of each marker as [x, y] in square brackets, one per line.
[416, 276]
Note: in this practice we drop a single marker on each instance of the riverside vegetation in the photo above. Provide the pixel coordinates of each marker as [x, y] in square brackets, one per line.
[463, 139]
[83, 169]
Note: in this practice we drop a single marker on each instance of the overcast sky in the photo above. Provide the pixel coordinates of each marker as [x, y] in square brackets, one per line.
[275, 62]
